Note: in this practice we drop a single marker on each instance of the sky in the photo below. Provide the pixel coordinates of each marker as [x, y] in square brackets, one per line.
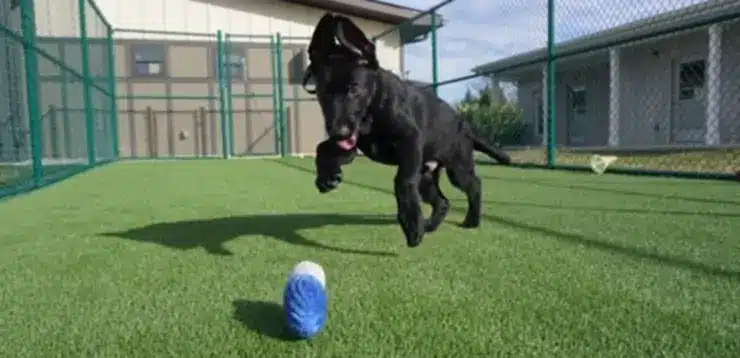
[480, 31]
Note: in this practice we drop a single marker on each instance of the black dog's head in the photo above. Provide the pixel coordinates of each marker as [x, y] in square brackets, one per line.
[344, 66]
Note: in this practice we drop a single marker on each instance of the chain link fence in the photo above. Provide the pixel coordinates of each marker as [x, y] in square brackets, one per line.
[554, 82]
[651, 83]
[559, 82]
[55, 99]
[213, 95]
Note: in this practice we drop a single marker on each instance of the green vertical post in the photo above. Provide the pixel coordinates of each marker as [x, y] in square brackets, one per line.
[112, 91]
[275, 106]
[65, 107]
[435, 54]
[87, 83]
[222, 93]
[28, 27]
[229, 94]
[51, 117]
[281, 96]
[551, 88]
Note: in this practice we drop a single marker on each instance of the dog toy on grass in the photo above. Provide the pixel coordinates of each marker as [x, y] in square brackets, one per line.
[599, 163]
[305, 300]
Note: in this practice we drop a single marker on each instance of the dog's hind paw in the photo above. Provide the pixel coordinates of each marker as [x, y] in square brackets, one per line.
[470, 223]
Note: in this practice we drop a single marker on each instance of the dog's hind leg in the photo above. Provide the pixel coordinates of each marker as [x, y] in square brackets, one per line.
[432, 195]
[462, 176]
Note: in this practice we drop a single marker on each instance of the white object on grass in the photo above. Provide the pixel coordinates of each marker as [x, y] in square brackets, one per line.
[599, 163]
[310, 268]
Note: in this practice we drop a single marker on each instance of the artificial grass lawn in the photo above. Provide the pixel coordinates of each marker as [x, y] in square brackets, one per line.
[189, 259]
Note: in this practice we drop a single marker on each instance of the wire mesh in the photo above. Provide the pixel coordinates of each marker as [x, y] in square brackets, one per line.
[500, 107]
[15, 148]
[168, 108]
[654, 83]
[255, 115]
[55, 99]
[99, 54]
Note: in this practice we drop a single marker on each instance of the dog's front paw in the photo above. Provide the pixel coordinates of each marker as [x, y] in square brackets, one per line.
[328, 183]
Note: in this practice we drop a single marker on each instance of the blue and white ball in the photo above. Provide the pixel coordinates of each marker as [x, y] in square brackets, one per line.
[305, 300]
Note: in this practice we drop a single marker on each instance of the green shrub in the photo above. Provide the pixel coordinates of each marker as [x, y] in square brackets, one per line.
[493, 117]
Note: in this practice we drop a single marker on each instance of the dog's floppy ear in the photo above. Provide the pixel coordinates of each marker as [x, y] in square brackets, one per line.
[353, 39]
[322, 39]
[322, 42]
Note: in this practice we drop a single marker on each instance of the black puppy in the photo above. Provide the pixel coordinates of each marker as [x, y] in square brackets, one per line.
[393, 122]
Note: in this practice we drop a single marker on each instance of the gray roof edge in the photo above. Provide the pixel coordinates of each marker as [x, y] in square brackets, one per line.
[372, 9]
[378, 10]
[644, 27]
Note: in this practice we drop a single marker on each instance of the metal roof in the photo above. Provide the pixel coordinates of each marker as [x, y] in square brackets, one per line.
[664, 24]
[381, 11]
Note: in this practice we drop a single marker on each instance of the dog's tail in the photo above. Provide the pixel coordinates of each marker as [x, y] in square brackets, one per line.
[498, 154]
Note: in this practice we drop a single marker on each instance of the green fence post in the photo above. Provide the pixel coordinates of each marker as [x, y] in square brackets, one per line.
[551, 88]
[222, 93]
[281, 97]
[275, 106]
[51, 117]
[229, 94]
[65, 107]
[435, 58]
[28, 27]
[113, 92]
[87, 83]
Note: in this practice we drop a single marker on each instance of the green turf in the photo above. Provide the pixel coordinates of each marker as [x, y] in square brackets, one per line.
[189, 259]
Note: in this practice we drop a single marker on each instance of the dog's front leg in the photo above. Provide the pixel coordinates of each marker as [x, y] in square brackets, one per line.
[329, 161]
[407, 193]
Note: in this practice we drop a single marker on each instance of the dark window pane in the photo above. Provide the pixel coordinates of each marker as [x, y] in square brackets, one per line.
[692, 74]
[149, 53]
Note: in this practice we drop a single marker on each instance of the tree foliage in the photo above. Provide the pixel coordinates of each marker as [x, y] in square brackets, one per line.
[493, 117]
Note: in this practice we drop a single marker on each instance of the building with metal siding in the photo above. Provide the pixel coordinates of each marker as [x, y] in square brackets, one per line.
[166, 65]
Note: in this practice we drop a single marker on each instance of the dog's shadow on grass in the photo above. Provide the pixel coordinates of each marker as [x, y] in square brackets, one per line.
[263, 317]
[577, 239]
[212, 234]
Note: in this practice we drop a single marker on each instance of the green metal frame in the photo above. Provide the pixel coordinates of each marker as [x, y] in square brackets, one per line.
[275, 94]
[28, 28]
[552, 137]
[284, 136]
[87, 85]
[222, 94]
[229, 94]
[112, 89]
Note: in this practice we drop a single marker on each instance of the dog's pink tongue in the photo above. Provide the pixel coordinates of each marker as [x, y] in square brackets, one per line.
[349, 143]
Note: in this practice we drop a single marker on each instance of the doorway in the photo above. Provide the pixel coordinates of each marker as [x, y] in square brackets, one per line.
[577, 115]
[689, 101]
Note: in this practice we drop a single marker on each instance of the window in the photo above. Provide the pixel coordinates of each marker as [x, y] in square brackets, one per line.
[691, 77]
[148, 60]
[578, 100]
[235, 63]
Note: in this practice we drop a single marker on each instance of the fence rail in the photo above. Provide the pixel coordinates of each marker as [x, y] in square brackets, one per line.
[563, 92]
